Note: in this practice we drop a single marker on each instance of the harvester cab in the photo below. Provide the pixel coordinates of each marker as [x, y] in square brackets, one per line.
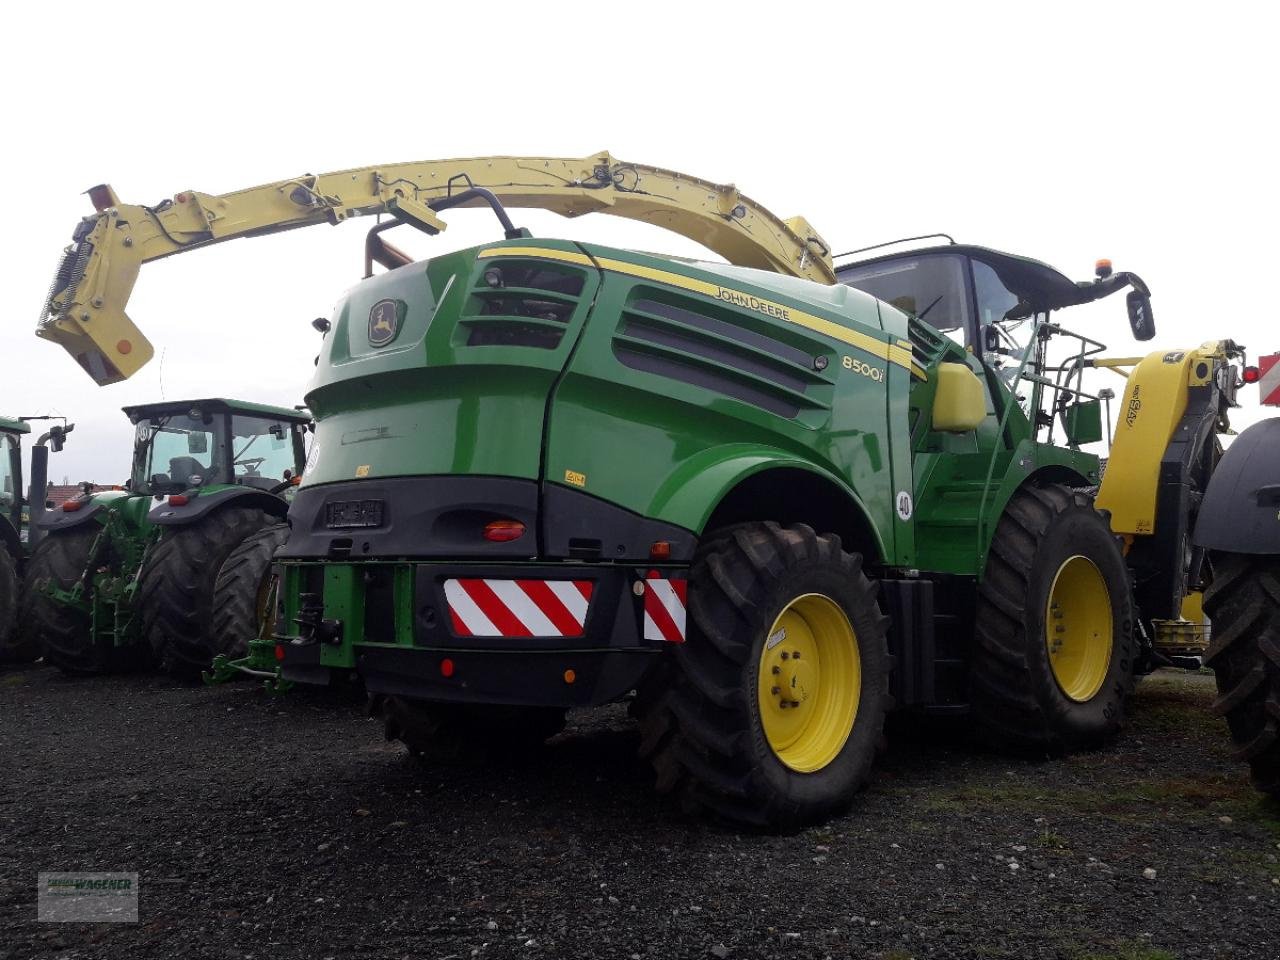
[1003, 309]
[128, 576]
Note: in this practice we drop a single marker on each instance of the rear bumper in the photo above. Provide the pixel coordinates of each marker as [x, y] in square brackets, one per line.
[517, 634]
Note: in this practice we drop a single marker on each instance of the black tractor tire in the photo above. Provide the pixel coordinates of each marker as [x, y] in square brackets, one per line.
[465, 734]
[1016, 699]
[62, 633]
[1243, 605]
[15, 646]
[242, 589]
[176, 587]
[703, 710]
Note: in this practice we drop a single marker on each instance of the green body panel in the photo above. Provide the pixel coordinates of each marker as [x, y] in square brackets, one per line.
[429, 403]
[635, 406]
[13, 426]
[687, 445]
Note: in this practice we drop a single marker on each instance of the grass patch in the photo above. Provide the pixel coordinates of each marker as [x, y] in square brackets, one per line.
[1193, 798]
[1128, 950]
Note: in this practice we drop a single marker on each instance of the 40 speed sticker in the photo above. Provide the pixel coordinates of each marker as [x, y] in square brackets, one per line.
[865, 369]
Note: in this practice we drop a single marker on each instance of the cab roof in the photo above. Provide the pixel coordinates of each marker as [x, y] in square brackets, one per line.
[217, 405]
[1038, 284]
[13, 426]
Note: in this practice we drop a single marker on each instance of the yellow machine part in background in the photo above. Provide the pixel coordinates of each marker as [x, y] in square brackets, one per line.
[1155, 399]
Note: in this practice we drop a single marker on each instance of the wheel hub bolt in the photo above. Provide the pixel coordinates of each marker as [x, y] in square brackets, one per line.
[785, 655]
[796, 655]
[775, 690]
[776, 670]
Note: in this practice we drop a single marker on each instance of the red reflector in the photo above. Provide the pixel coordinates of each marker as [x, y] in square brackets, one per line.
[295, 481]
[503, 531]
[279, 651]
[124, 347]
[179, 500]
[1251, 375]
[446, 667]
[660, 550]
[71, 506]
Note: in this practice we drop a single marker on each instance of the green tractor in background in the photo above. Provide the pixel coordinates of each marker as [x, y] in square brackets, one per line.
[16, 534]
[129, 578]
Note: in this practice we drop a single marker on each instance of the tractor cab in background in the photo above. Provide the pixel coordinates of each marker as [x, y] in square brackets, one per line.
[186, 446]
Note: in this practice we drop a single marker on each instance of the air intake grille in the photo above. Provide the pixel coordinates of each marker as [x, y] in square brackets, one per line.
[520, 303]
[720, 356]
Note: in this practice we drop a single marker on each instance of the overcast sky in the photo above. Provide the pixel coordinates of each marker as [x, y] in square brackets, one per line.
[1087, 132]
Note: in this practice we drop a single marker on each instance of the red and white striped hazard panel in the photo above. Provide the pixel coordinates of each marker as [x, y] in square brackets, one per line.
[1269, 386]
[518, 608]
[664, 608]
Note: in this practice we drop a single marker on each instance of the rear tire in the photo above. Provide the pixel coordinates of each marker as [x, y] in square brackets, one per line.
[732, 722]
[15, 647]
[451, 733]
[63, 633]
[1054, 655]
[1243, 604]
[241, 591]
[176, 586]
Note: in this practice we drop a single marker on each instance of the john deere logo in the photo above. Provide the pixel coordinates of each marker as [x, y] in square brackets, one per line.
[384, 322]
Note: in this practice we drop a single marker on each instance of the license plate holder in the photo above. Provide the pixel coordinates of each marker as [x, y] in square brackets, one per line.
[349, 514]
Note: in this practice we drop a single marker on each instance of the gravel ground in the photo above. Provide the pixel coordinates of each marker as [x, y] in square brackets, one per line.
[285, 827]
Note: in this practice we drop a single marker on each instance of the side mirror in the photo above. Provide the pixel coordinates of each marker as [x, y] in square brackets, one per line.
[197, 443]
[990, 338]
[1141, 321]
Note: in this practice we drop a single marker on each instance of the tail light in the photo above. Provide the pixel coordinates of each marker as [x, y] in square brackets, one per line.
[178, 500]
[71, 506]
[1251, 375]
[503, 531]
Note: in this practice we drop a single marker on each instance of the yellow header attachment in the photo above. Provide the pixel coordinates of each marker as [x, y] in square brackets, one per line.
[1154, 401]
[85, 311]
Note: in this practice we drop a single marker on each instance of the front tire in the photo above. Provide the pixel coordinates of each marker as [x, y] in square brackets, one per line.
[1243, 604]
[734, 722]
[1054, 654]
[176, 586]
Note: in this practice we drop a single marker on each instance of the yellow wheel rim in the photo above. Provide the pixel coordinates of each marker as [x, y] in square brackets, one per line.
[1078, 628]
[810, 682]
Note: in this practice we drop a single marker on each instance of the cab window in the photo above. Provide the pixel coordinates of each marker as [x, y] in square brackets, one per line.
[262, 450]
[1005, 313]
[9, 494]
[181, 447]
[931, 288]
